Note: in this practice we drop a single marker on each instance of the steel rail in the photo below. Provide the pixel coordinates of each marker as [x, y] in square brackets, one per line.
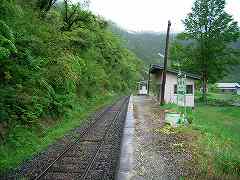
[99, 147]
[71, 145]
[103, 139]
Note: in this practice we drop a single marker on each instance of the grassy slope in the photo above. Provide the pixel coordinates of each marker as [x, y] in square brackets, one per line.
[28, 142]
[218, 129]
[55, 78]
[216, 133]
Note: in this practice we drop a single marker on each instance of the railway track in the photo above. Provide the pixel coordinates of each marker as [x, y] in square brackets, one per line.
[93, 154]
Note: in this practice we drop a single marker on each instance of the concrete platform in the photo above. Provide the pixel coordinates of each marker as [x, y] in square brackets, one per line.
[146, 151]
[126, 157]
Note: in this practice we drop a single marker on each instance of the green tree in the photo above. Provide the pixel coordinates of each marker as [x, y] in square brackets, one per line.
[46, 72]
[45, 5]
[75, 14]
[208, 31]
[7, 48]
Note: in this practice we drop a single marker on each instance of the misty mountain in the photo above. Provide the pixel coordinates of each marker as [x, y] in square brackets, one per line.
[146, 45]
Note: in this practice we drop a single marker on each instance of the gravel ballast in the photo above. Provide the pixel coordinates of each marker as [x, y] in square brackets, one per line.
[95, 153]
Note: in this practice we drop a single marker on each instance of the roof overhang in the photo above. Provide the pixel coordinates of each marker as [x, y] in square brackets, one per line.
[228, 85]
[156, 68]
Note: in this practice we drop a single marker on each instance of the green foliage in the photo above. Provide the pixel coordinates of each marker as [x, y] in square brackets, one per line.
[215, 130]
[7, 45]
[45, 73]
[74, 15]
[233, 74]
[23, 141]
[219, 128]
[4, 53]
[222, 99]
[146, 45]
[209, 30]
[5, 31]
[7, 8]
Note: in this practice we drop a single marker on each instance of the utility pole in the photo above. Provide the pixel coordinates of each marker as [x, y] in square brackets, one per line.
[149, 79]
[165, 65]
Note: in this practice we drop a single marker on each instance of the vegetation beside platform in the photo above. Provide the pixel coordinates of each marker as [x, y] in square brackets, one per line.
[57, 63]
[218, 140]
[24, 142]
[215, 145]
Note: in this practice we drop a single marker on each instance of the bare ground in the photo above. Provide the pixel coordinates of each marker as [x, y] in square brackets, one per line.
[159, 152]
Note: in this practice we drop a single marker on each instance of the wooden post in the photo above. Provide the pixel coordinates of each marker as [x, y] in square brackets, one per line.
[165, 65]
[149, 78]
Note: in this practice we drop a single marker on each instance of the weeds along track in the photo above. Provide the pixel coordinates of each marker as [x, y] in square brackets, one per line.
[95, 153]
[90, 152]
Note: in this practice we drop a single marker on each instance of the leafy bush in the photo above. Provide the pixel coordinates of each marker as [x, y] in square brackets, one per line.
[7, 45]
[45, 71]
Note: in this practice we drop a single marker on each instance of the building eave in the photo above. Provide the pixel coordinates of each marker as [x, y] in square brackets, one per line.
[155, 68]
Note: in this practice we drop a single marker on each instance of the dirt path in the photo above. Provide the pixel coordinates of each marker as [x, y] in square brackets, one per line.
[158, 152]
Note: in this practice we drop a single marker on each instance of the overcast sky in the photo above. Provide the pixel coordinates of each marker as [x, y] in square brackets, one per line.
[151, 15]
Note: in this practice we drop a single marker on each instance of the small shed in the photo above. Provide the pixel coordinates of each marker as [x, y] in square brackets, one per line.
[170, 95]
[142, 88]
[229, 87]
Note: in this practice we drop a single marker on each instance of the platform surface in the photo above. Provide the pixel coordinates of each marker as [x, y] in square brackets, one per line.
[146, 152]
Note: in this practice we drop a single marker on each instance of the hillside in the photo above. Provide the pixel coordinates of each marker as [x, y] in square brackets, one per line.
[146, 45]
[233, 75]
[57, 64]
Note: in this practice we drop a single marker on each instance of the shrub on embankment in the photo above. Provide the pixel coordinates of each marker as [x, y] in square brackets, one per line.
[48, 68]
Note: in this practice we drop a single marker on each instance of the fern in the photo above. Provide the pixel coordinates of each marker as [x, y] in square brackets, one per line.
[6, 31]
[7, 45]
[4, 53]
[49, 89]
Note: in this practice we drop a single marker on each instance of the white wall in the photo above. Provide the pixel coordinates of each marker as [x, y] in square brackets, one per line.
[170, 97]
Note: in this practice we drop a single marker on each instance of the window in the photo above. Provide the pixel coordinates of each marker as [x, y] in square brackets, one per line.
[189, 89]
[175, 89]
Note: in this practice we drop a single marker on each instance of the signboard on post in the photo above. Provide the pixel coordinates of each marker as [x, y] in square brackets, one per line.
[181, 89]
[180, 117]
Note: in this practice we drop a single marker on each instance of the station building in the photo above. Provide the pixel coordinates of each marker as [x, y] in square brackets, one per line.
[170, 96]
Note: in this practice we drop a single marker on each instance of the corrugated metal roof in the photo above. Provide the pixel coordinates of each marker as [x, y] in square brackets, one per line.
[228, 85]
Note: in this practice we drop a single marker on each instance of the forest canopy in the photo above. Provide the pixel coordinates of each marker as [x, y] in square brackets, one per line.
[54, 55]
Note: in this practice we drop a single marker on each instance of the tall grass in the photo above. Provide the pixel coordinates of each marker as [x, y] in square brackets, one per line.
[219, 142]
[217, 148]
